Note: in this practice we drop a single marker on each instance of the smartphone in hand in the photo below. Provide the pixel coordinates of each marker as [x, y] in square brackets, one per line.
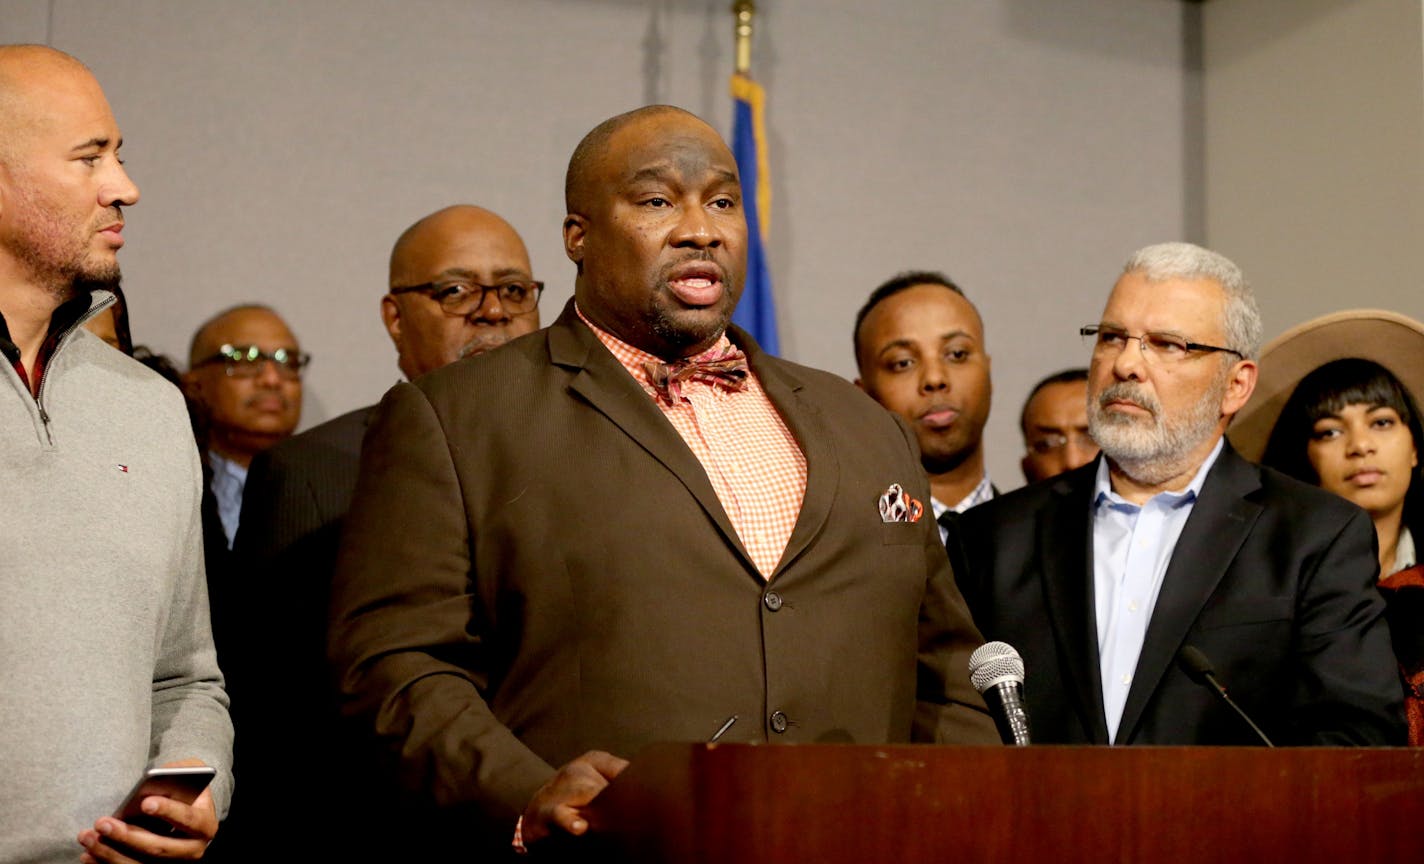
[181, 784]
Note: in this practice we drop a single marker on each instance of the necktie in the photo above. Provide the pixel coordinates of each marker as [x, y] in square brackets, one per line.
[946, 519]
[727, 369]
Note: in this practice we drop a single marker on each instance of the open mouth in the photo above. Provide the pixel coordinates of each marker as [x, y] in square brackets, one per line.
[697, 284]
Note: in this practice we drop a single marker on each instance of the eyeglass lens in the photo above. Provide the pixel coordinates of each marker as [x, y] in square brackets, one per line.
[248, 361]
[462, 298]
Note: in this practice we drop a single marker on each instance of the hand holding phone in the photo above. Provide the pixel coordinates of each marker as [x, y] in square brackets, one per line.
[183, 785]
[183, 824]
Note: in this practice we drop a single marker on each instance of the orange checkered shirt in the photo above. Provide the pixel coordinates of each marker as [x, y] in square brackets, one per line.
[754, 463]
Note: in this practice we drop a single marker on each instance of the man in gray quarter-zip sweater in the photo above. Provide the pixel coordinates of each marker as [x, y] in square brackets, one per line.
[106, 655]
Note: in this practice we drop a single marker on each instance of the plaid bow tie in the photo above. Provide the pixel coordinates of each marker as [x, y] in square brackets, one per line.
[727, 369]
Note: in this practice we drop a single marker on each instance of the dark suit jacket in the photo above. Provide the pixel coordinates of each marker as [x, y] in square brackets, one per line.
[536, 565]
[1272, 579]
[291, 746]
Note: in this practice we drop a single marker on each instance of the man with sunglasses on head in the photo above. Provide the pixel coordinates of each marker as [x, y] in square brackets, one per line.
[244, 380]
[459, 284]
[1169, 540]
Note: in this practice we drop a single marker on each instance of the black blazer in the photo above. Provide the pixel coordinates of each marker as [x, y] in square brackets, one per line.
[1272, 579]
[293, 749]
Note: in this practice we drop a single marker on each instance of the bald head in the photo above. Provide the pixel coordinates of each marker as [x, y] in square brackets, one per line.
[444, 228]
[62, 185]
[464, 245]
[29, 76]
[229, 326]
[578, 188]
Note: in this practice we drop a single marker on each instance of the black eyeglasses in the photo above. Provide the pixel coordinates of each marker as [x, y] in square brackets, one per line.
[1163, 347]
[246, 361]
[461, 297]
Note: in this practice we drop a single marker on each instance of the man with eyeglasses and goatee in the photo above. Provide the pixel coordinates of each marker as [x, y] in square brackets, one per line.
[1169, 540]
[460, 284]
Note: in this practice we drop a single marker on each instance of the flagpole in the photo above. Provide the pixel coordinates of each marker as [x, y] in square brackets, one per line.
[756, 311]
[744, 10]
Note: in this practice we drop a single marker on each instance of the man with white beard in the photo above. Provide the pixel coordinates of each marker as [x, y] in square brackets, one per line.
[1169, 540]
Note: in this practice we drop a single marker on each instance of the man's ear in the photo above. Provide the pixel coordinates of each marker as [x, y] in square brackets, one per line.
[1239, 387]
[391, 317]
[575, 230]
[192, 386]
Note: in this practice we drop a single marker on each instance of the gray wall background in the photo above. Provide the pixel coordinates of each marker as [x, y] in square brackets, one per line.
[1314, 121]
[1023, 146]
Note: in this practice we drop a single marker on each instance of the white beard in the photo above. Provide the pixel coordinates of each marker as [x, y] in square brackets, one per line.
[1155, 449]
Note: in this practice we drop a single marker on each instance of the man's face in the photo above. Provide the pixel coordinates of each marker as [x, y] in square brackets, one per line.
[662, 250]
[247, 414]
[465, 244]
[921, 355]
[1055, 427]
[1152, 416]
[61, 182]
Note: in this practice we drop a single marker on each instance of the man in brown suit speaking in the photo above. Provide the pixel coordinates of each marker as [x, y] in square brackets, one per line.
[633, 524]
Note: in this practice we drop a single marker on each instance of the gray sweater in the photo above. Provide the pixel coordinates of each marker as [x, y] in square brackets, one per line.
[106, 654]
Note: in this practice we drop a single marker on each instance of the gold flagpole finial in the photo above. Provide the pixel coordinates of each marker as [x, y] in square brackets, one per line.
[744, 10]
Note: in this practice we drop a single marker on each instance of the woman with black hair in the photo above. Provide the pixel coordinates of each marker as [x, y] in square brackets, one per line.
[1351, 426]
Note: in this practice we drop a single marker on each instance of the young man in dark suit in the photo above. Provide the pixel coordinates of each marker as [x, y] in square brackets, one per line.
[634, 524]
[1169, 539]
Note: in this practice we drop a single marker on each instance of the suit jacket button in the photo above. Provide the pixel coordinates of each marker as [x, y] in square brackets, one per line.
[772, 600]
[778, 722]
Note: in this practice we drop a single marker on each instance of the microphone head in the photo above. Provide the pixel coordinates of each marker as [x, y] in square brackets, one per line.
[995, 663]
[1195, 664]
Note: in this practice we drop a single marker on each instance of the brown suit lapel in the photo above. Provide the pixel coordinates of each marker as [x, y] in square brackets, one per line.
[601, 381]
[812, 433]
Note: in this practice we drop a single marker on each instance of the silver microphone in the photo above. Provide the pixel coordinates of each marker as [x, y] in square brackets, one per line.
[997, 672]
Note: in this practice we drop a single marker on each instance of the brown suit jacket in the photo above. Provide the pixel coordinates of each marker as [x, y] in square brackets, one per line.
[536, 565]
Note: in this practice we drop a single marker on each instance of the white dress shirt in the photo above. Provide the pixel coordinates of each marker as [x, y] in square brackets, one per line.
[1132, 546]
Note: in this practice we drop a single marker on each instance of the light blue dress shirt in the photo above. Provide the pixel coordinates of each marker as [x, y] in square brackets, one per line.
[1132, 546]
[228, 480]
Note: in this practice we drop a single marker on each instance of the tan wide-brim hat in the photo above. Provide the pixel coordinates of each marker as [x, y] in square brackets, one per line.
[1394, 341]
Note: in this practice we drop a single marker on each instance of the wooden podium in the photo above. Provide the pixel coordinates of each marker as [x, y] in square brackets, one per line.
[741, 803]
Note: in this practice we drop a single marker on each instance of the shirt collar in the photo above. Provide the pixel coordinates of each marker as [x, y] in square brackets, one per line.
[67, 313]
[1405, 555]
[1103, 491]
[633, 358]
[224, 467]
[983, 491]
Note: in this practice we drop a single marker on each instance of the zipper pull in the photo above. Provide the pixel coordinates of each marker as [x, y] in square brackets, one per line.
[44, 416]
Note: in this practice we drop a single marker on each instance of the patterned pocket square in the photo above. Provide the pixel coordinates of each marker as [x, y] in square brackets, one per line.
[896, 505]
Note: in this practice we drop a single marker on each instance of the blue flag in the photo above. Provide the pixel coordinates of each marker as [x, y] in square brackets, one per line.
[756, 313]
